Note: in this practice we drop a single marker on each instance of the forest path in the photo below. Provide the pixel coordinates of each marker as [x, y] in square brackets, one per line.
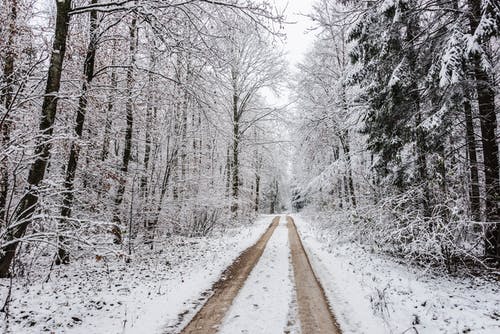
[210, 316]
[270, 288]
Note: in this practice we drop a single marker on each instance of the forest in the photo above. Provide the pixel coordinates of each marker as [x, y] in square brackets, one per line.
[400, 136]
[136, 133]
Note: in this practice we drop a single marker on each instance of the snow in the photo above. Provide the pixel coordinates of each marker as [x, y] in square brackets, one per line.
[435, 120]
[368, 292]
[371, 293]
[144, 296]
[452, 57]
[385, 6]
[395, 77]
[262, 305]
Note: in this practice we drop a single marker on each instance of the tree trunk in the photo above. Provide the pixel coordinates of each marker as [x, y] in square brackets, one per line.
[339, 187]
[68, 196]
[150, 111]
[227, 172]
[108, 123]
[421, 157]
[6, 100]
[344, 139]
[184, 145]
[415, 98]
[109, 113]
[236, 142]
[28, 203]
[488, 121]
[127, 151]
[257, 191]
[475, 204]
[164, 187]
[147, 152]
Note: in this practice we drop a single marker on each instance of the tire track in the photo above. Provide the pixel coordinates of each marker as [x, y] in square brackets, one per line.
[314, 312]
[210, 316]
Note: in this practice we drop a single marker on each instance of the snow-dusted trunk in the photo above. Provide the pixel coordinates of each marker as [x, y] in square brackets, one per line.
[147, 139]
[149, 158]
[109, 112]
[7, 97]
[184, 146]
[163, 190]
[488, 121]
[108, 122]
[344, 139]
[421, 157]
[127, 150]
[339, 187]
[475, 204]
[68, 196]
[28, 203]
[344, 135]
[415, 100]
[258, 168]
[257, 192]
[236, 142]
[227, 172]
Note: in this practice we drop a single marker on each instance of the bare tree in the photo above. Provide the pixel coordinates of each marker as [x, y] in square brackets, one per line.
[6, 99]
[252, 67]
[37, 170]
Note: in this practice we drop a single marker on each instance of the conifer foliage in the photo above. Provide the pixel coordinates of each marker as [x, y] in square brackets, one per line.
[419, 94]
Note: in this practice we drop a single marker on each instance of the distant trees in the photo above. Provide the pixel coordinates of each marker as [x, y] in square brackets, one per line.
[332, 115]
[420, 84]
[253, 65]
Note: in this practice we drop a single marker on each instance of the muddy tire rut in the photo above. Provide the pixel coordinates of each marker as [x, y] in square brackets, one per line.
[314, 311]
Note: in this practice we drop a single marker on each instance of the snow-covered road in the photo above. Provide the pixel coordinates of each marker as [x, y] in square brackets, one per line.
[263, 304]
[367, 293]
[273, 297]
[147, 295]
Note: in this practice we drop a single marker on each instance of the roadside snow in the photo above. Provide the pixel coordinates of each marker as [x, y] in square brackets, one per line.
[371, 293]
[110, 296]
[262, 305]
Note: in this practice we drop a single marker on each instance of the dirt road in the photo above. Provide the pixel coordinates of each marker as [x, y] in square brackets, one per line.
[313, 313]
[209, 318]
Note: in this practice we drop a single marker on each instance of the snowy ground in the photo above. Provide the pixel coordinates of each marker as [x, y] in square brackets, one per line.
[263, 304]
[370, 293]
[145, 296]
[159, 292]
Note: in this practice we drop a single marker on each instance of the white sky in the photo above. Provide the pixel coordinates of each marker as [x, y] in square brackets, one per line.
[298, 40]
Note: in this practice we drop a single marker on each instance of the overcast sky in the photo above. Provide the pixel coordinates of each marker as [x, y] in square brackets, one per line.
[298, 41]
